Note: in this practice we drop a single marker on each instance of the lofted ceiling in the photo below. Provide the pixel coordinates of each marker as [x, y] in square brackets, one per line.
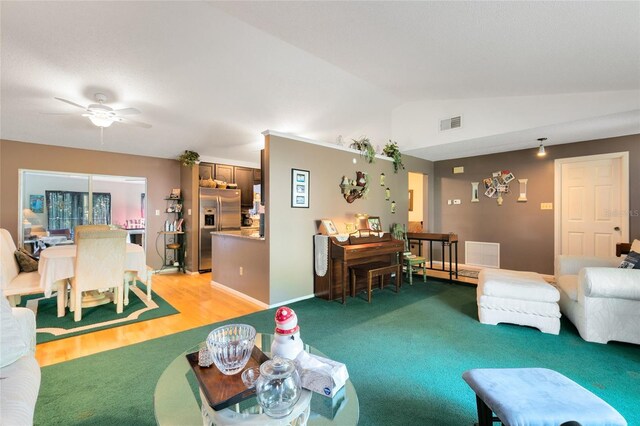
[211, 76]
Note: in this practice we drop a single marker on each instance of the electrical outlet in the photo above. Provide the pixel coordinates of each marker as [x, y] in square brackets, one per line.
[546, 206]
[189, 212]
[457, 202]
[241, 271]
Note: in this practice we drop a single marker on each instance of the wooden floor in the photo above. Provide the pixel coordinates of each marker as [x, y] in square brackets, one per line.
[199, 304]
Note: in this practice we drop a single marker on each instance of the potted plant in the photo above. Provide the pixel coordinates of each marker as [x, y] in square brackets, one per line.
[189, 158]
[366, 149]
[391, 150]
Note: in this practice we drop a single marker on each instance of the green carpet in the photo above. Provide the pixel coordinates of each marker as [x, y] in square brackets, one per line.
[49, 327]
[405, 354]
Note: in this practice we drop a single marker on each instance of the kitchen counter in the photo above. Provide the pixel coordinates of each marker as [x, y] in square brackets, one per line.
[245, 233]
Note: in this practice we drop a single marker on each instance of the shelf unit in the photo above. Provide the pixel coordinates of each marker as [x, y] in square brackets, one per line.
[173, 256]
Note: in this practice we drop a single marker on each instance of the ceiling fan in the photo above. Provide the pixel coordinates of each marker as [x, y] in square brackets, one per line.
[103, 116]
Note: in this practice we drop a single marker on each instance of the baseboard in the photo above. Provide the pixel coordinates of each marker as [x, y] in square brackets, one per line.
[239, 294]
[297, 299]
[256, 301]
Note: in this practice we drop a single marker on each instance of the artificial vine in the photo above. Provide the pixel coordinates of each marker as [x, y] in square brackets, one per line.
[391, 150]
[366, 149]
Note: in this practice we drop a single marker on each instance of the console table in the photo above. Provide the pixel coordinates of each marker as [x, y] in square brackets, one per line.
[447, 240]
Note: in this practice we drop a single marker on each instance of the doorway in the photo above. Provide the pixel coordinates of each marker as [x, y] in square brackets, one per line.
[592, 204]
[418, 218]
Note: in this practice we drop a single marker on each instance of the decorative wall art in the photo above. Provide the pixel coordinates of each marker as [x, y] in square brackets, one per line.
[393, 207]
[497, 185]
[387, 194]
[300, 188]
[474, 192]
[36, 203]
[356, 188]
[382, 179]
[523, 190]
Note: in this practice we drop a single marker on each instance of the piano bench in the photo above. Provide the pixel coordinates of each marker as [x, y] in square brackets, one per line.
[374, 270]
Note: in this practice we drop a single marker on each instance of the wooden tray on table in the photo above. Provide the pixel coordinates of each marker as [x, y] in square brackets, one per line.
[221, 390]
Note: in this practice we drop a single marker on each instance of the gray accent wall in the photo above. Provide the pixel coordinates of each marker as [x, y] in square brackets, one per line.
[290, 230]
[524, 231]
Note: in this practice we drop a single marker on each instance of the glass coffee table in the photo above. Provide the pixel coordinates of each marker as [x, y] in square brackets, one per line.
[177, 400]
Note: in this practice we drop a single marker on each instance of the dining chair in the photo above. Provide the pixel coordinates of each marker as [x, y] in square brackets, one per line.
[409, 259]
[82, 228]
[100, 263]
[13, 282]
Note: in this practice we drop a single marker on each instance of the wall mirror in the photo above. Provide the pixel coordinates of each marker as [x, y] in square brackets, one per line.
[52, 204]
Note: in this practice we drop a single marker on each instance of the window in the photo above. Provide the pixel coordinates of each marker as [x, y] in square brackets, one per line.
[67, 209]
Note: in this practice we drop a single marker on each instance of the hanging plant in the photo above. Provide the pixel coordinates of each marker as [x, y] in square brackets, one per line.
[391, 150]
[366, 149]
[189, 158]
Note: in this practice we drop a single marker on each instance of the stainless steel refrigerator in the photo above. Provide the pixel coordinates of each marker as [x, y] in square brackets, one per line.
[219, 211]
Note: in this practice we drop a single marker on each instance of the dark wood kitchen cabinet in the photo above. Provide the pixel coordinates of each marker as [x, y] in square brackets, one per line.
[224, 173]
[244, 179]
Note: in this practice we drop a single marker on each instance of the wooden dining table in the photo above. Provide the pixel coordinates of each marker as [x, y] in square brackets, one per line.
[57, 266]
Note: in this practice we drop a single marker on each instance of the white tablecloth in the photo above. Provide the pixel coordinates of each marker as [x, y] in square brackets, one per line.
[58, 263]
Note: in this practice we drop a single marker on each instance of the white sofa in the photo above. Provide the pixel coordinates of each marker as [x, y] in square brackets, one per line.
[19, 370]
[601, 300]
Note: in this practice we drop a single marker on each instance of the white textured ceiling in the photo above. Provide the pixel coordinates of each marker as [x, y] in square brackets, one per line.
[210, 76]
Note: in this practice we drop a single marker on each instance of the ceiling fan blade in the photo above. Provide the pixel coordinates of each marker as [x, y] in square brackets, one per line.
[127, 111]
[125, 120]
[71, 103]
[59, 113]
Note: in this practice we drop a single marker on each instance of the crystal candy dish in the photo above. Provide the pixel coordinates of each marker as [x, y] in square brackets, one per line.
[231, 346]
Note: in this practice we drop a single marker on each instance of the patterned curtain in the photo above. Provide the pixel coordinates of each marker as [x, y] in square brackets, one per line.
[67, 209]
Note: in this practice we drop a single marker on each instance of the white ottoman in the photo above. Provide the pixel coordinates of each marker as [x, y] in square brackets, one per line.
[517, 297]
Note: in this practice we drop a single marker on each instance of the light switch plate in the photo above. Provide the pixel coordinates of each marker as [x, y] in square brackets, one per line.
[449, 202]
[546, 206]
[157, 212]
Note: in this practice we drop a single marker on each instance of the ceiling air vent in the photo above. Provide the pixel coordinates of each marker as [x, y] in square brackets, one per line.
[451, 123]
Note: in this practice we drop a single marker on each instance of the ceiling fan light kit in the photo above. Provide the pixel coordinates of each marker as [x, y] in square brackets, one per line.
[103, 116]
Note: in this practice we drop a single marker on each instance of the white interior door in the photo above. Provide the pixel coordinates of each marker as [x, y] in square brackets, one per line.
[593, 205]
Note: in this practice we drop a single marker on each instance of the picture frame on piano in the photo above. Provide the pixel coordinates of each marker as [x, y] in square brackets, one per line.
[374, 224]
[327, 227]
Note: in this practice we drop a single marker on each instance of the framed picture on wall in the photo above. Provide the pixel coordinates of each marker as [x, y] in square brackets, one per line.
[300, 188]
[36, 203]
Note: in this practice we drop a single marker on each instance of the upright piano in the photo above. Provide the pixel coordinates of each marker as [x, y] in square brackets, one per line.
[354, 251]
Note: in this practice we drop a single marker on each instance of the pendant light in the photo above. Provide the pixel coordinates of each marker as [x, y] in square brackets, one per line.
[541, 151]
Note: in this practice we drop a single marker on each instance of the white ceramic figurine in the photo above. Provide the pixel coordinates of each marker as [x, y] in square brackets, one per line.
[287, 342]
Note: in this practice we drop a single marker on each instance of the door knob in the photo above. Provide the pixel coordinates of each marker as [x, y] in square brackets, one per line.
[617, 228]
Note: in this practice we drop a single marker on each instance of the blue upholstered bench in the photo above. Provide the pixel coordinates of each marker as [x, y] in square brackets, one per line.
[536, 397]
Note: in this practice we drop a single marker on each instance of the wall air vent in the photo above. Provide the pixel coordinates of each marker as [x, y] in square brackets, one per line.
[450, 123]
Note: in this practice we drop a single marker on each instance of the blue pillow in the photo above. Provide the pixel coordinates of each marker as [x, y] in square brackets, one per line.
[632, 261]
